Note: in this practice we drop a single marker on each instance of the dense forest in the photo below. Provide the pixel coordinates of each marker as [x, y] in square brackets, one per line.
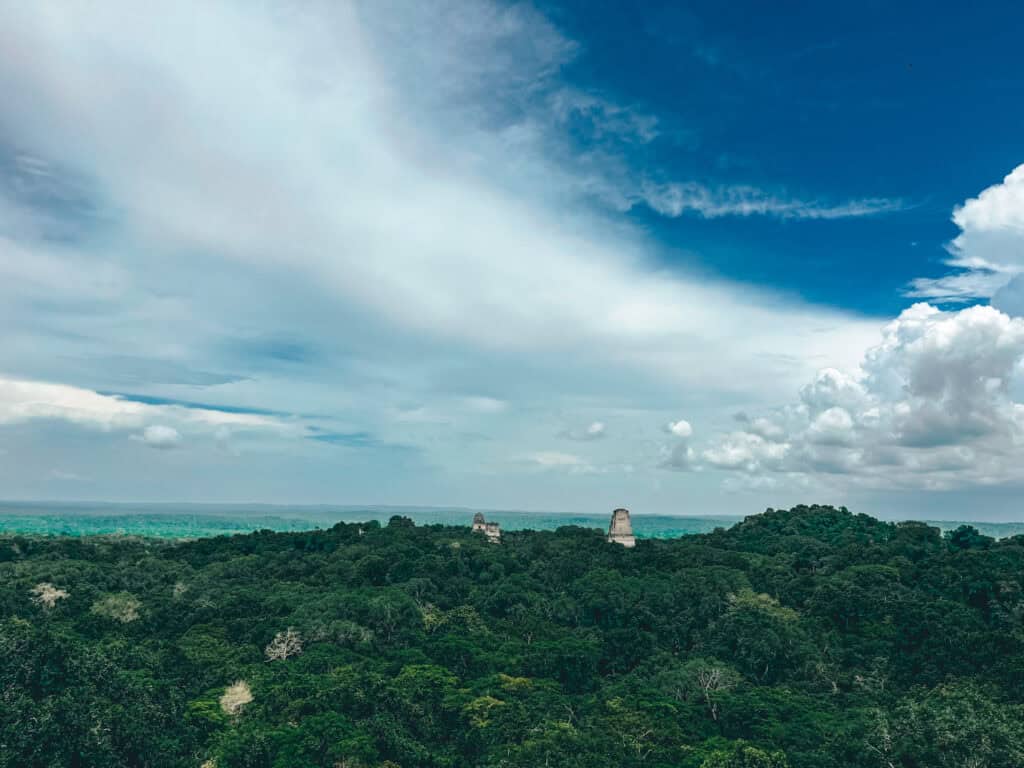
[807, 638]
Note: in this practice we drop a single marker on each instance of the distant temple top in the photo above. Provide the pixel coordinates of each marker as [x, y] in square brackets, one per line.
[491, 530]
[620, 531]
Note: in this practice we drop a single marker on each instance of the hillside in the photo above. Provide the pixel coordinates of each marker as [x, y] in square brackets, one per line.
[808, 638]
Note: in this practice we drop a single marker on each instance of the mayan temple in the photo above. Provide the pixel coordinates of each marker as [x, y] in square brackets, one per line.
[491, 530]
[479, 525]
[621, 529]
[493, 533]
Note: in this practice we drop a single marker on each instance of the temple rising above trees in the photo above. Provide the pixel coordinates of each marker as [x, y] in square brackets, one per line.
[491, 530]
[620, 531]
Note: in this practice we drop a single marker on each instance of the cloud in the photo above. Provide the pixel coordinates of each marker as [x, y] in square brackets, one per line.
[555, 460]
[602, 118]
[481, 404]
[988, 254]
[930, 407]
[677, 199]
[746, 451]
[833, 426]
[679, 456]
[680, 428]
[959, 287]
[25, 401]
[761, 426]
[161, 437]
[375, 214]
[595, 430]
[288, 119]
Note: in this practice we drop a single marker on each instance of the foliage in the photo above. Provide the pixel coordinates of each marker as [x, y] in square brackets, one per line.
[807, 638]
[285, 644]
[47, 595]
[235, 697]
[122, 607]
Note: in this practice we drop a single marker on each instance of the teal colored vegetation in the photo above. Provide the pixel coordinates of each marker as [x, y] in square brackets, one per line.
[808, 638]
[178, 521]
[187, 521]
[164, 526]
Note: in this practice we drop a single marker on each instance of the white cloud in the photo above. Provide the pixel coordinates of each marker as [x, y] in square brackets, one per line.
[565, 462]
[930, 407]
[391, 186]
[310, 123]
[831, 427]
[988, 254]
[958, 287]
[161, 437]
[676, 199]
[679, 456]
[22, 401]
[605, 117]
[556, 459]
[746, 451]
[761, 426]
[25, 401]
[680, 428]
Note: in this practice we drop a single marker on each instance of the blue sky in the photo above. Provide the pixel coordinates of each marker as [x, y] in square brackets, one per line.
[686, 258]
[829, 101]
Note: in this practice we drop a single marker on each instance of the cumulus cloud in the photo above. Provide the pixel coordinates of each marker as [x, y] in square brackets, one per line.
[745, 451]
[161, 437]
[680, 455]
[761, 426]
[931, 406]
[680, 428]
[988, 255]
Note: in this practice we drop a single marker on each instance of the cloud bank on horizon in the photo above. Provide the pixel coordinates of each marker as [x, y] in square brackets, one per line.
[392, 252]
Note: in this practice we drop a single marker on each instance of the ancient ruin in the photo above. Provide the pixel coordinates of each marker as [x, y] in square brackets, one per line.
[620, 531]
[491, 530]
[493, 533]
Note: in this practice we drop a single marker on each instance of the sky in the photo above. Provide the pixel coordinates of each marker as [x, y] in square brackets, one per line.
[687, 258]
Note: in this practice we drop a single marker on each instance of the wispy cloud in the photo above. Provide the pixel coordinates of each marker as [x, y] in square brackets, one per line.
[710, 202]
[24, 401]
[958, 287]
[601, 117]
[372, 212]
[595, 430]
[555, 460]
